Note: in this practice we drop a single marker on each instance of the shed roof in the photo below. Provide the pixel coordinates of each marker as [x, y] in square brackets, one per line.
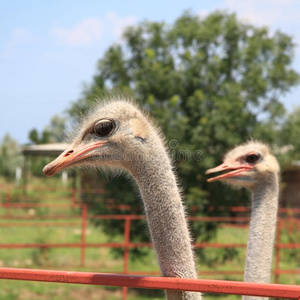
[53, 149]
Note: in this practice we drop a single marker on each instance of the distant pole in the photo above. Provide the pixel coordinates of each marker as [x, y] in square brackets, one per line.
[64, 178]
[25, 172]
[84, 214]
[18, 175]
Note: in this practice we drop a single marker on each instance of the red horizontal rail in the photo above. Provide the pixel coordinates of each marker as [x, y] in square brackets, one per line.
[29, 205]
[129, 245]
[148, 273]
[165, 283]
[41, 224]
[118, 217]
[214, 272]
[218, 245]
[112, 245]
[48, 217]
[76, 245]
[220, 219]
[31, 188]
[66, 245]
[287, 271]
[289, 246]
[140, 217]
[246, 209]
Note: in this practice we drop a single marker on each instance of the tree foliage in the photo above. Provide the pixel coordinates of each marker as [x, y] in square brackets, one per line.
[53, 133]
[289, 141]
[10, 158]
[210, 83]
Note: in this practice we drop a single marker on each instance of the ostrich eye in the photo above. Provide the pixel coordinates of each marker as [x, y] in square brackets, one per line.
[104, 127]
[252, 158]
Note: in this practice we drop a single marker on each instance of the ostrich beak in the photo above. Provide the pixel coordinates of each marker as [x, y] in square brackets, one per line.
[234, 169]
[74, 153]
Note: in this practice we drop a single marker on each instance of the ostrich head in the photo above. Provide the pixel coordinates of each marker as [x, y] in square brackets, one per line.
[113, 135]
[246, 165]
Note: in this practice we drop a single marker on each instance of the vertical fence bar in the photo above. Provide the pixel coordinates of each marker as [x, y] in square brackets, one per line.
[290, 225]
[7, 204]
[277, 249]
[84, 213]
[126, 252]
[73, 200]
[126, 243]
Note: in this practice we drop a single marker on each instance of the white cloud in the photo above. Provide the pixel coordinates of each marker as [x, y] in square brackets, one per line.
[276, 14]
[20, 36]
[118, 23]
[92, 30]
[85, 33]
[273, 13]
[280, 15]
[256, 11]
[204, 13]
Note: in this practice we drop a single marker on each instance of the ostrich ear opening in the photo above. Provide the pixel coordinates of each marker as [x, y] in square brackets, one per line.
[138, 128]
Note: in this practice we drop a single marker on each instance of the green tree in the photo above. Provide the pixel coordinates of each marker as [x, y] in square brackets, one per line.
[210, 83]
[53, 133]
[289, 138]
[56, 129]
[10, 158]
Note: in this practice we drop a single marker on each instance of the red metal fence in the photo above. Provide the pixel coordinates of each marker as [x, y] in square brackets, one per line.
[127, 244]
[196, 285]
[289, 222]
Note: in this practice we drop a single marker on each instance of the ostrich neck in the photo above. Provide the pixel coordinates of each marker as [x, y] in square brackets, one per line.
[262, 232]
[166, 219]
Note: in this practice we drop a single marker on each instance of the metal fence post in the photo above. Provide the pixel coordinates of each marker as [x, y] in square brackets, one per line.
[277, 253]
[7, 204]
[73, 197]
[84, 213]
[126, 252]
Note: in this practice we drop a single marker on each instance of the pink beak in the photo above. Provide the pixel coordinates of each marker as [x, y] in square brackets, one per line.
[234, 168]
[74, 153]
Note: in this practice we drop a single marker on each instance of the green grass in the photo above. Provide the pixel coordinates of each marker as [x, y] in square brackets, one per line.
[101, 259]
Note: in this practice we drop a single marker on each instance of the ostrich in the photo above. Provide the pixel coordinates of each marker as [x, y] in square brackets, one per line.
[251, 165]
[116, 136]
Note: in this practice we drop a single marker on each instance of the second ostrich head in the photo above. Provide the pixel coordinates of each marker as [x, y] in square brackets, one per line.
[252, 166]
[246, 165]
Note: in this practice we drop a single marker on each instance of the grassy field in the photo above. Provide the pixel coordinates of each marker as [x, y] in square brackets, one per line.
[101, 259]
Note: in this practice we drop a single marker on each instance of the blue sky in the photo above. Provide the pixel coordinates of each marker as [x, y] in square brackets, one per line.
[49, 49]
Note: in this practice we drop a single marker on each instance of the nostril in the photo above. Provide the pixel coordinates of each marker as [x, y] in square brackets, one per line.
[69, 152]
